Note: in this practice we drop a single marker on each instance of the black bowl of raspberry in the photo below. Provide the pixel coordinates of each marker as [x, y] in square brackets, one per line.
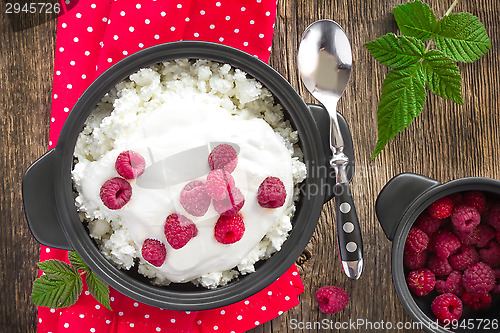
[445, 251]
[54, 221]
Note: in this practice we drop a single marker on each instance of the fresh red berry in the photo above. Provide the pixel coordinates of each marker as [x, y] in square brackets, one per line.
[421, 281]
[441, 208]
[438, 266]
[490, 255]
[115, 193]
[444, 244]
[229, 229]
[457, 198]
[179, 230]
[466, 257]
[493, 217]
[331, 299]
[218, 184]
[496, 288]
[154, 252]
[271, 193]
[479, 279]
[452, 284]
[480, 236]
[428, 224]
[447, 307]
[476, 302]
[416, 241]
[130, 164]
[475, 199]
[223, 156]
[195, 199]
[498, 236]
[231, 204]
[414, 260]
[465, 218]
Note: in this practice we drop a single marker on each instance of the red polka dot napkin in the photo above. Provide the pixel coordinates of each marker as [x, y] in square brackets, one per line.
[91, 36]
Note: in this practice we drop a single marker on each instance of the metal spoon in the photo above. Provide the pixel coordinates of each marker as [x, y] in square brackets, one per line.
[324, 61]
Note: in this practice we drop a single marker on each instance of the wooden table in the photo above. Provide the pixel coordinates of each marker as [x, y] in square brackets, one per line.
[447, 141]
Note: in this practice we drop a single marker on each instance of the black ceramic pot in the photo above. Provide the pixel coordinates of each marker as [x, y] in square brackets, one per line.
[398, 205]
[53, 219]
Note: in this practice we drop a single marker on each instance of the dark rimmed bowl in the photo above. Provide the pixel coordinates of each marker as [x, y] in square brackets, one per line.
[53, 219]
[398, 205]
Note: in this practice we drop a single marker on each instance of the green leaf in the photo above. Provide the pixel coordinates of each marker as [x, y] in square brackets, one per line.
[403, 97]
[77, 262]
[56, 291]
[57, 268]
[443, 76]
[99, 289]
[462, 37]
[415, 19]
[396, 51]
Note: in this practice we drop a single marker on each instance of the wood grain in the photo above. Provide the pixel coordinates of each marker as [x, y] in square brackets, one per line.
[447, 141]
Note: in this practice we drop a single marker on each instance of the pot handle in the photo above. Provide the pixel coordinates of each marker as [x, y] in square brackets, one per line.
[396, 196]
[39, 202]
[322, 119]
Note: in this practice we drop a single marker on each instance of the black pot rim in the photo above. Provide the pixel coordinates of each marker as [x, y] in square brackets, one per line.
[304, 221]
[406, 222]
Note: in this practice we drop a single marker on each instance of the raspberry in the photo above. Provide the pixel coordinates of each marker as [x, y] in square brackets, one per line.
[493, 217]
[452, 284]
[229, 229]
[223, 157]
[479, 279]
[480, 236]
[476, 302]
[421, 281]
[231, 204]
[444, 244]
[490, 255]
[179, 230]
[427, 224]
[271, 193]
[115, 193]
[467, 256]
[194, 198]
[416, 241]
[441, 208]
[498, 236]
[496, 288]
[331, 299]
[130, 164]
[447, 307]
[465, 218]
[457, 198]
[438, 266]
[218, 183]
[475, 199]
[414, 260]
[154, 252]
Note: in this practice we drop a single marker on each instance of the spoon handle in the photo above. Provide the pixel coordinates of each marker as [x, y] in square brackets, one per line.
[349, 239]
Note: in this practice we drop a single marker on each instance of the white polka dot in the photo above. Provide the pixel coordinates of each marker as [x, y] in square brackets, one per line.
[87, 53]
[259, 1]
[218, 4]
[66, 325]
[243, 9]
[52, 119]
[81, 316]
[199, 322]
[212, 26]
[172, 321]
[228, 18]
[187, 19]
[104, 19]
[78, 15]
[196, 34]
[158, 329]
[138, 6]
[268, 13]
[112, 299]
[67, 110]
[92, 330]
[146, 316]
[280, 313]
[90, 29]
[69, 86]
[188, 312]
[269, 293]
[58, 72]
[64, 25]
[147, 21]
[39, 320]
[221, 39]
[122, 13]
[72, 63]
[257, 323]
[97, 307]
[120, 313]
[240, 317]
[108, 321]
[295, 273]
[141, 45]
[61, 49]
[93, 6]
[287, 298]
[179, 6]
[261, 35]
[115, 37]
[131, 325]
[110, 60]
[247, 302]
[136, 304]
[125, 52]
[245, 43]
[47, 249]
[131, 29]
[76, 39]
[252, 21]
[222, 312]
[163, 13]
[50, 144]
[202, 12]
[87, 292]
[101, 43]
[172, 28]
[216, 328]
[157, 36]
[52, 310]
[263, 308]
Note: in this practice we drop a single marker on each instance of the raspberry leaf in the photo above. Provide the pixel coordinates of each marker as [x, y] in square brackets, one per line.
[77, 262]
[415, 19]
[98, 288]
[462, 37]
[56, 291]
[56, 268]
[443, 76]
[403, 97]
[396, 51]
